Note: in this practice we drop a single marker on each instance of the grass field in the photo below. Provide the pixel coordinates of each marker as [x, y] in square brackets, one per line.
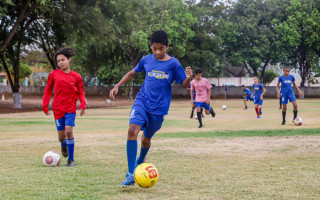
[235, 155]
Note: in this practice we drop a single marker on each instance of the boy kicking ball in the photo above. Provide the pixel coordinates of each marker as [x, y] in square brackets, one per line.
[247, 96]
[202, 87]
[287, 80]
[68, 88]
[257, 96]
[153, 100]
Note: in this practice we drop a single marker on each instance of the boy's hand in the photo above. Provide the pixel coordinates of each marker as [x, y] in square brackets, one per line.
[48, 113]
[192, 103]
[278, 95]
[261, 97]
[82, 112]
[300, 93]
[208, 101]
[113, 92]
[189, 72]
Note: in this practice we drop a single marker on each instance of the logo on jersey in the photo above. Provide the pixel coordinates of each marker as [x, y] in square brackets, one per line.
[158, 74]
[256, 88]
[57, 123]
[132, 113]
[287, 81]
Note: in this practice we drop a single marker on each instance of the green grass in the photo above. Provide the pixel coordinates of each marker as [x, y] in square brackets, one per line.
[241, 133]
[223, 160]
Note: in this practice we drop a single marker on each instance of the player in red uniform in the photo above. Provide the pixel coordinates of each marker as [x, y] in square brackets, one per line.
[68, 88]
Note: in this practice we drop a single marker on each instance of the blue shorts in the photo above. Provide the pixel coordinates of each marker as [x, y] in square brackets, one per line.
[287, 96]
[258, 101]
[67, 120]
[204, 105]
[149, 123]
[249, 98]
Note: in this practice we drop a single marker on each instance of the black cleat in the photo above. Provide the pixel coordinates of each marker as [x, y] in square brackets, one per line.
[200, 126]
[70, 163]
[64, 151]
[212, 112]
[283, 122]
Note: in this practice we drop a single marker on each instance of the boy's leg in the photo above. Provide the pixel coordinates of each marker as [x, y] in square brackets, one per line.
[70, 145]
[192, 111]
[257, 111]
[145, 146]
[62, 139]
[199, 117]
[284, 110]
[295, 109]
[245, 104]
[280, 103]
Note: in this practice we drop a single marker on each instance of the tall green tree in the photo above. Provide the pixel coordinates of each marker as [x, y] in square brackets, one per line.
[298, 37]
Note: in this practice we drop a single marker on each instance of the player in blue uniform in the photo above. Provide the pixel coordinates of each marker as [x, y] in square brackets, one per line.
[247, 96]
[287, 80]
[153, 100]
[257, 95]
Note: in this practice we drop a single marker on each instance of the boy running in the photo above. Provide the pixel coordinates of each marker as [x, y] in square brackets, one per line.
[287, 80]
[153, 100]
[68, 88]
[194, 101]
[257, 95]
[202, 87]
[247, 96]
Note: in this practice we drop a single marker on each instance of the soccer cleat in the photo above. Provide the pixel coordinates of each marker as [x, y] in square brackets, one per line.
[200, 126]
[191, 116]
[283, 122]
[258, 117]
[260, 112]
[129, 181]
[70, 163]
[212, 112]
[64, 151]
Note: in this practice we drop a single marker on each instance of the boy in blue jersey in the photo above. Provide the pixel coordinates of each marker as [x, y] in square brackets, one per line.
[257, 95]
[247, 96]
[287, 80]
[153, 100]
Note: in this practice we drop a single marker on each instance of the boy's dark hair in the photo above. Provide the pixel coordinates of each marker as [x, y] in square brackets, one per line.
[159, 37]
[243, 86]
[286, 67]
[198, 71]
[66, 51]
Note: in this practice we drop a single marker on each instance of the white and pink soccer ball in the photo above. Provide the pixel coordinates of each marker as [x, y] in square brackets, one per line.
[298, 121]
[51, 159]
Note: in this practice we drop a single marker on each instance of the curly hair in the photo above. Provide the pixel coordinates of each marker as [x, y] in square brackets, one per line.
[66, 51]
[198, 71]
[159, 37]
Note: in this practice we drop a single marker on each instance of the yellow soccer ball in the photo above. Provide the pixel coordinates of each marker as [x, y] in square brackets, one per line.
[146, 175]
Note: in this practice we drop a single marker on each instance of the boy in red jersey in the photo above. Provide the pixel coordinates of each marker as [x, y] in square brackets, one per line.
[68, 88]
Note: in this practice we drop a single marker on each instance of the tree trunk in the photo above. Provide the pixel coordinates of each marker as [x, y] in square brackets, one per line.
[17, 100]
[92, 75]
[264, 69]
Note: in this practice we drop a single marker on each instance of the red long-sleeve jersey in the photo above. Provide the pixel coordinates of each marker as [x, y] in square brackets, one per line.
[68, 88]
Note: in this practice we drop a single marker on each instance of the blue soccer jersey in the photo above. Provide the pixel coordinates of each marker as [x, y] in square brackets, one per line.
[258, 89]
[286, 83]
[155, 93]
[247, 91]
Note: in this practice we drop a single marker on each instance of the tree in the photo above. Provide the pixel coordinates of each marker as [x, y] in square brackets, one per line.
[298, 37]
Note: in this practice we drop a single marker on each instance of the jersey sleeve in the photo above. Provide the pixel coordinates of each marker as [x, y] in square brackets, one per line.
[180, 74]
[192, 86]
[140, 66]
[261, 86]
[293, 79]
[47, 93]
[81, 93]
[280, 79]
[208, 84]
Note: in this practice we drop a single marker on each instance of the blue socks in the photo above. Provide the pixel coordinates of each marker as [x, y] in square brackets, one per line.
[64, 143]
[143, 153]
[132, 148]
[246, 106]
[70, 144]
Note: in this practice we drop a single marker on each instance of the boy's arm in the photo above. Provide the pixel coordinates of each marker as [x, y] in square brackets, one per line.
[81, 96]
[264, 91]
[278, 89]
[187, 80]
[47, 94]
[129, 76]
[209, 93]
[300, 92]
[191, 93]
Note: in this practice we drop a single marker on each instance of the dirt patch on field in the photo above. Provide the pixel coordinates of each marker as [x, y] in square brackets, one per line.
[250, 147]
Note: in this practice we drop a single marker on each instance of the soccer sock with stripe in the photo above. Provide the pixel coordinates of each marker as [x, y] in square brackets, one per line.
[132, 148]
[295, 113]
[143, 153]
[199, 118]
[257, 111]
[70, 144]
[283, 116]
[64, 143]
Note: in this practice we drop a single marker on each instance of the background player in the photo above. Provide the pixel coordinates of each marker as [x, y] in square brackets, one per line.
[153, 100]
[287, 80]
[194, 100]
[247, 96]
[68, 88]
[257, 95]
[202, 87]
